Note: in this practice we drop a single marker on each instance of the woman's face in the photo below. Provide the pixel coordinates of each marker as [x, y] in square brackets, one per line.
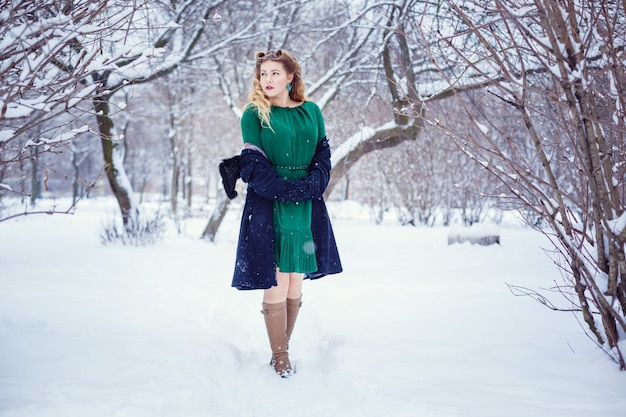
[274, 79]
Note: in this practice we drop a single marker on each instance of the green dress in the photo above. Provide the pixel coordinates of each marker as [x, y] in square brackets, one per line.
[290, 146]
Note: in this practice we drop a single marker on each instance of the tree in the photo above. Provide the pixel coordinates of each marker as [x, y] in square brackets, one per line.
[47, 52]
[361, 57]
[558, 66]
[136, 65]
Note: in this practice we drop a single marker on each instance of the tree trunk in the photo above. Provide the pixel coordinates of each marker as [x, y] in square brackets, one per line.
[174, 182]
[75, 182]
[35, 183]
[189, 181]
[216, 218]
[113, 159]
[407, 126]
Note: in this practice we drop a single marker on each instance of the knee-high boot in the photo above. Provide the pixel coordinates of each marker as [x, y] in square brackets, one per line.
[293, 308]
[276, 324]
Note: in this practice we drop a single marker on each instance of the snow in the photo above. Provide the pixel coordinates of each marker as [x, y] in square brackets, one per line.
[6, 134]
[25, 107]
[618, 225]
[484, 129]
[83, 94]
[413, 327]
[60, 138]
[358, 139]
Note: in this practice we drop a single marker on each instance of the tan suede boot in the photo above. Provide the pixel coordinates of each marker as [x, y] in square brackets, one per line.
[293, 307]
[276, 323]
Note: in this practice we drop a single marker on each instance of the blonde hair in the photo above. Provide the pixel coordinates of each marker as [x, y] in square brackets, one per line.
[257, 97]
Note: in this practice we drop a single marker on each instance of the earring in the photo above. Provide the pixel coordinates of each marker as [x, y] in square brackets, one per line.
[289, 87]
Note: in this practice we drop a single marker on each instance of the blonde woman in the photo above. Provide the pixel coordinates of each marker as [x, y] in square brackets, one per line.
[285, 234]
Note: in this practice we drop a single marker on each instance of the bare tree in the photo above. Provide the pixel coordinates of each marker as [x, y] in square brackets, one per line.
[353, 49]
[558, 66]
[47, 51]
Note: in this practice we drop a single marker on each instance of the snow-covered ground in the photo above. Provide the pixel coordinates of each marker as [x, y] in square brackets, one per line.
[413, 327]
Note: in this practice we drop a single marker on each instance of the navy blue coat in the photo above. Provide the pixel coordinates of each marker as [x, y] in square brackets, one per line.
[255, 266]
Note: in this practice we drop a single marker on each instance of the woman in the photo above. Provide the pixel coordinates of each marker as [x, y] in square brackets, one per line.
[285, 233]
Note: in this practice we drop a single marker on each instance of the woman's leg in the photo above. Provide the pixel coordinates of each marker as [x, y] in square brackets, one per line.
[295, 285]
[294, 302]
[289, 286]
[275, 314]
[281, 304]
[278, 293]
[289, 289]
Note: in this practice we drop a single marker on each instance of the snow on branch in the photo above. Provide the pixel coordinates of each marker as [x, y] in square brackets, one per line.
[47, 56]
[58, 139]
[357, 140]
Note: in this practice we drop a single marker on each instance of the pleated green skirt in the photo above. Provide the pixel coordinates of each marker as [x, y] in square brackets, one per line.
[295, 250]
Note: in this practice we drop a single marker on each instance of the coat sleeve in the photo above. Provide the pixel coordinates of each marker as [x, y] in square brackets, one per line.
[258, 172]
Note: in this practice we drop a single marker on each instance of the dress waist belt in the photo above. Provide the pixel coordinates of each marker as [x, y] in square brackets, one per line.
[302, 168]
